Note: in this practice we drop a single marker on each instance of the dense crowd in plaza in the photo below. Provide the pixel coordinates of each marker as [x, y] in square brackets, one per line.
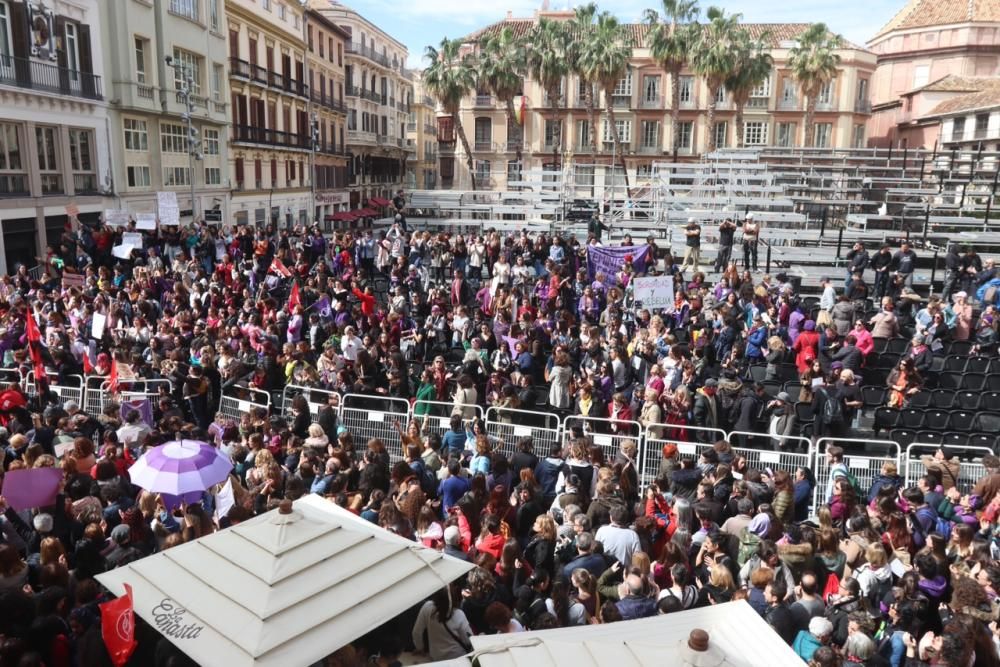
[561, 535]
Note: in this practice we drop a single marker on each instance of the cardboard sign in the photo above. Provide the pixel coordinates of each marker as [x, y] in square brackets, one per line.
[133, 239]
[73, 280]
[168, 209]
[123, 251]
[145, 221]
[654, 293]
[97, 326]
[115, 217]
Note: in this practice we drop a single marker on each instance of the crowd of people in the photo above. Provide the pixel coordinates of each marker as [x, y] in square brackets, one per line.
[561, 535]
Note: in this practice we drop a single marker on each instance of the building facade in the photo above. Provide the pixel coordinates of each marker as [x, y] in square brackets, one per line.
[421, 130]
[379, 92]
[270, 138]
[54, 153]
[147, 113]
[925, 42]
[325, 43]
[773, 116]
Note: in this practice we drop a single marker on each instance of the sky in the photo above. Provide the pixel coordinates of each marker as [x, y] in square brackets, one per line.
[418, 23]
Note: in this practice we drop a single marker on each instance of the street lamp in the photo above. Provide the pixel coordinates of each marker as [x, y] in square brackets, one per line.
[314, 145]
[192, 141]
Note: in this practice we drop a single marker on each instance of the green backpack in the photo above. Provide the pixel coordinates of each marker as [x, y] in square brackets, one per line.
[749, 542]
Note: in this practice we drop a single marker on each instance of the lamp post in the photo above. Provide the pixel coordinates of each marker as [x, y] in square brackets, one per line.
[192, 141]
[314, 144]
[310, 108]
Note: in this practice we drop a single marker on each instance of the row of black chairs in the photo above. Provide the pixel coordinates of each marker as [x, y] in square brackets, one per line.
[937, 420]
[906, 437]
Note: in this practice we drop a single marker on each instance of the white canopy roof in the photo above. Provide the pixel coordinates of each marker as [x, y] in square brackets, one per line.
[738, 637]
[282, 589]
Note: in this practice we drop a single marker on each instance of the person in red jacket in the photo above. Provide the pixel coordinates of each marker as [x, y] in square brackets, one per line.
[806, 346]
[367, 300]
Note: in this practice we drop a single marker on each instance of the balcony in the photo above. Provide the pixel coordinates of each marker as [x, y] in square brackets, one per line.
[621, 101]
[652, 102]
[514, 145]
[583, 148]
[328, 101]
[367, 52]
[484, 100]
[826, 106]
[52, 184]
[360, 137]
[144, 91]
[247, 134]
[687, 103]
[789, 104]
[650, 149]
[26, 73]
[758, 103]
[431, 129]
[370, 95]
[981, 133]
[862, 106]
[241, 69]
[14, 185]
[484, 147]
[85, 184]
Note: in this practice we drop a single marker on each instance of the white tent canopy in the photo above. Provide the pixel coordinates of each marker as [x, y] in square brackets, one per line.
[738, 637]
[282, 589]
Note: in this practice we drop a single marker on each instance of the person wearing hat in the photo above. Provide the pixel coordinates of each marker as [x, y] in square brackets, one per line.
[806, 346]
[706, 410]
[122, 552]
[781, 420]
[751, 234]
[692, 244]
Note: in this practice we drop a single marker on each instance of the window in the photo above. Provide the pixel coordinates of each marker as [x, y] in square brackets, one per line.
[825, 97]
[788, 94]
[175, 176]
[958, 129]
[786, 135]
[721, 135]
[552, 128]
[581, 92]
[80, 157]
[824, 132]
[720, 96]
[686, 93]
[210, 141]
[982, 124]
[213, 176]
[755, 133]
[684, 131]
[921, 75]
[6, 44]
[651, 90]
[650, 134]
[72, 52]
[624, 87]
[217, 78]
[46, 140]
[186, 8]
[763, 89]
[296, 21]
[624, 131]
[484, 133]
[583, 134]
[140, 60]
[482, 170]
[10, 147]
[281, 12]
[266, 4]
[138, 177]
[862, 90]
[858, 140]
[136, 137]
[173, 138]
[186, 62]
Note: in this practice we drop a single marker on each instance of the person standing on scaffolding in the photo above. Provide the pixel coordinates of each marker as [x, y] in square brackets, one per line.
[596, 226]
[751, 233]
[727, 235]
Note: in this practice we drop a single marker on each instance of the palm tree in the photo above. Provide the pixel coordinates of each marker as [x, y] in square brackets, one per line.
[713, 58]
[814, 64]
[606, 62]
[451, 76]
[501, 68]
[582, 29]
[753, 67]
[548, 63]
[670, 44]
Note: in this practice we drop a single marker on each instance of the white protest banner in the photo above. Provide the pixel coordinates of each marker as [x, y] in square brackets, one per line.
[654, 293]
[145, 221]
[224, 500]
[133, 239]
[114, 217]
[97, 326]
[123, 251]
[73, 280]
[167, 207]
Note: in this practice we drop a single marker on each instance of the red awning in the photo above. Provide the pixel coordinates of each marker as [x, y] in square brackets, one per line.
[378, 201]
[367, 212]
[342, 216]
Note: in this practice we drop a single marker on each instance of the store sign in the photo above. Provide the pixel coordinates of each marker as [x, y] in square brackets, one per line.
[332, 198]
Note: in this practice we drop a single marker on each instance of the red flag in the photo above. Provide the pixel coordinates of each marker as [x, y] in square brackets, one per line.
[88, 367]
[35, 352]
[118, 627]
[294, 299]
[113, 377]
[277, 266]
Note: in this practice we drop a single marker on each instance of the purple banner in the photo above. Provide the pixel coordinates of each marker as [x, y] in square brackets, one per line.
[31, 488]
[609, 260]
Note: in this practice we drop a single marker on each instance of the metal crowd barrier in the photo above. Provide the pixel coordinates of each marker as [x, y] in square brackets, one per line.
[242, 401]
[657, 435]
[436, 417]
[509, 426]
[864, 468]
[969, 473]
[608, 434]
[367, 417]
[64, 392]
[316, 397]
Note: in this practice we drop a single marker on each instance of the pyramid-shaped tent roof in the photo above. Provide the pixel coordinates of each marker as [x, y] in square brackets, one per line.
[282, 589]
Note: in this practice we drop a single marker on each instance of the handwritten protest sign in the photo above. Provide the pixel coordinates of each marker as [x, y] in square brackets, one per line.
[145, 221]
[654, 293]
[168, 209]
[114, 217]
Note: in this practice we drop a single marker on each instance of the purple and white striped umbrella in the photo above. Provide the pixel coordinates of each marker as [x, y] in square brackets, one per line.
[180, 467]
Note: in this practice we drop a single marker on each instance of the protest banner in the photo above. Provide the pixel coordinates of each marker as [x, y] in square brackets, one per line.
[97, 326]
[123, 251]
[73, 280]
[133, 239]
[114, 217]
[145, 221]
[31, 488]
[654, 293]
[168, 209]
[609, 260]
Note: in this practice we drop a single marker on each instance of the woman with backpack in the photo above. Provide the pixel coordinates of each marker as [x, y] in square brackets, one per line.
[874, 577]
[441, 630]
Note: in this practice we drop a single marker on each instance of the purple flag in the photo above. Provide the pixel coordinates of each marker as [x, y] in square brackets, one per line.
[609, 260]
[142, 406]
[323, 308]
[512, 344]
[28, 489]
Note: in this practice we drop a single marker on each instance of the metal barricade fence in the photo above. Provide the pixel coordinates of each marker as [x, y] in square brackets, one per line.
[73, 392]
[608, 434]
[656, 436]
[94, 397]
[10, 376]
[864, 468]
[372, 416]
[316, 397]
[762, 459]
[241, 400]
[435, 416]
[969, 473]
[137, 390]
[509, 426]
